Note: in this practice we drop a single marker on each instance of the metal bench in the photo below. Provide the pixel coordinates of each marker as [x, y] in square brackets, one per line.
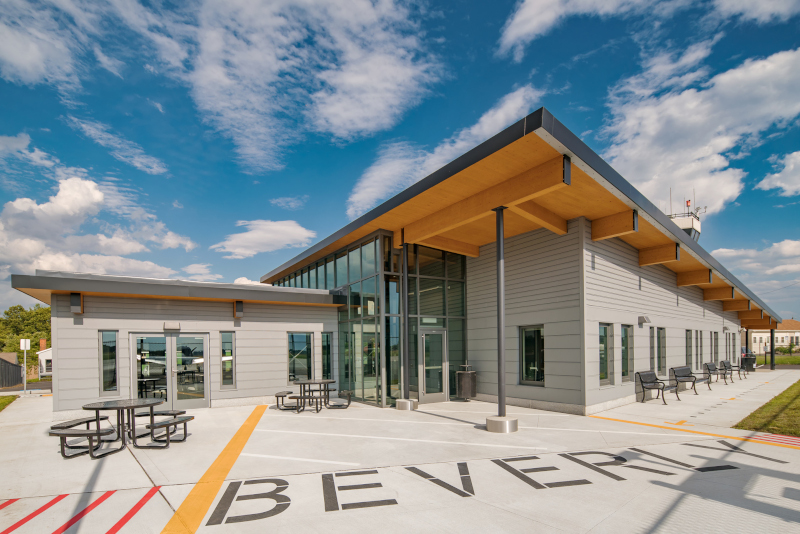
[649, 380]
[280, 401]
[342, 395]
[91, 434]
[161, 413]
[683, 374]
[166, 424]
[730, 368]
[301, 405]
[710, 369]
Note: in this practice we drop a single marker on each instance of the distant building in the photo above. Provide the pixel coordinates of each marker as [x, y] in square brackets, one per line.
[45, 362]
[786, 332]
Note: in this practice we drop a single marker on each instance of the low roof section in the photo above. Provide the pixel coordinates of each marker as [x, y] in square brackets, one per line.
[545, 175]
[47, 283]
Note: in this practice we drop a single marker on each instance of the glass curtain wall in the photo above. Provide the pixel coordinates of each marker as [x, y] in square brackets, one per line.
[437, 299]
[369, 275]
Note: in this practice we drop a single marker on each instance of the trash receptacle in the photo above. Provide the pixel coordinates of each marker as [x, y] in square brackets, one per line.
[749, 363]
[466, 383]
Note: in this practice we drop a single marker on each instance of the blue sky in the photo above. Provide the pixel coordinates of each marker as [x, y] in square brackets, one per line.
[214, 140]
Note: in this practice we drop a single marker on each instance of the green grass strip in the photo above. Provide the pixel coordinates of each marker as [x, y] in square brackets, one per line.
[6, 400]
[781, 415]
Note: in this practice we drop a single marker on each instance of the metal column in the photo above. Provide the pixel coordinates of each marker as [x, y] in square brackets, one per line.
[772, 349]
[404, 289]
[501, 315]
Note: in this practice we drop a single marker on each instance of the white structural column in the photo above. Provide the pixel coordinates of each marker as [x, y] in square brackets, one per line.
[501, 423]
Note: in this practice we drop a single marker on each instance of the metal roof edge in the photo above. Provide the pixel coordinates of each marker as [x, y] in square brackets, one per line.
[581, 150]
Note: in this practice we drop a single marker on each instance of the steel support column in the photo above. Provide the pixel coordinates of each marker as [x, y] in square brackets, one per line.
[772, 349]
[404, 289]
[501, 315]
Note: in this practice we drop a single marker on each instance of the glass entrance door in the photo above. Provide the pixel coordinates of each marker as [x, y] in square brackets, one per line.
[433, 366]
[172, 367]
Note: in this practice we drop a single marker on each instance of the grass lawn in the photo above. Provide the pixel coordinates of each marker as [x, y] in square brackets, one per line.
[6, 400]
[780, 359]
[50, 379]
[781, 415]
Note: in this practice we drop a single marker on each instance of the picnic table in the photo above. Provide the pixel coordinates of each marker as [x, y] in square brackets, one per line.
[144, 382]
[307, 389]
[122, 407]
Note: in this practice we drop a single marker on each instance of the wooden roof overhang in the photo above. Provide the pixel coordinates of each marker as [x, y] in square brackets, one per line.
[545, 176]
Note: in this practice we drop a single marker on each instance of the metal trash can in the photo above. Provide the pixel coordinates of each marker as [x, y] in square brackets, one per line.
[466, 383]
[749, 363]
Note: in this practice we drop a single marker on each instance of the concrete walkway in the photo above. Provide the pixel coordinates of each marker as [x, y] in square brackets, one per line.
[640, 467]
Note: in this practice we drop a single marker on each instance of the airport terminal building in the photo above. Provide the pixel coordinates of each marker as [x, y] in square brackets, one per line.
[598, 284]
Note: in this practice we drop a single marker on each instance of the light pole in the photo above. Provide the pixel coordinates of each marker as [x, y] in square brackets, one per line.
[25, 345]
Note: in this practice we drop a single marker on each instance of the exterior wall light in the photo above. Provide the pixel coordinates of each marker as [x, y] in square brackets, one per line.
[643, 319]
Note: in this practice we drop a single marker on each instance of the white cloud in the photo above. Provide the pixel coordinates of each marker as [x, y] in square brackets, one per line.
[668, 131]
[245, 280]
[121, 149]
[788, 179]
[781, 257]
[289, 203]
[401, 164]
[177, 205]
[109, 63]
[532, 19]
[761, 11]
[261, 73]
[200, 272]
[264, 236]
[156, 105]
[48, 235]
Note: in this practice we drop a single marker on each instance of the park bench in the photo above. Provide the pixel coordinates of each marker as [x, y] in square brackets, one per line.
[280, 401]
[342, 395]
[649, 380]
[166, 424]
[710, 369]
[683, 374]
[300, 406]
[91, 434]
[730, 368]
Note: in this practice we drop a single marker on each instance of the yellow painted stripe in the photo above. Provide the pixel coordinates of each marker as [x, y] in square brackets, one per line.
[191, 512]
[754, 440]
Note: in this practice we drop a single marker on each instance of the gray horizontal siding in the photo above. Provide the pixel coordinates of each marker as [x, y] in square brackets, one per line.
[261, 342]
[542, 287]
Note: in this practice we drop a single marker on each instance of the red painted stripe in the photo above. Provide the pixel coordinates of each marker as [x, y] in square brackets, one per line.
[781, 440]
[779, 437]
[24, 520]
[63, 528]
[133, 511]
[10, 501]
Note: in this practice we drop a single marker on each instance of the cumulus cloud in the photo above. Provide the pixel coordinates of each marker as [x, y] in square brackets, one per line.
[261, 73]
[245, 280]
[672, 126]
[121, 149]
[401, 164]
[200, 272]
[788, 179]
[289, 203]
[264, 236]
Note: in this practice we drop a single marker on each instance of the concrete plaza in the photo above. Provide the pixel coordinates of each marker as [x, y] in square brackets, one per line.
[640, 467]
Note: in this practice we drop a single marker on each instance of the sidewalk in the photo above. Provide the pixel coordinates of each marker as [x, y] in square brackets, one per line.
[640, 467]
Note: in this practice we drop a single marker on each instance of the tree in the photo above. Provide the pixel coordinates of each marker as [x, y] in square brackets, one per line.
[18, 323]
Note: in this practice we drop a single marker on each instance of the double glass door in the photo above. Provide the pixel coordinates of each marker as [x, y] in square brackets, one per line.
[433, 366]
[172, 367]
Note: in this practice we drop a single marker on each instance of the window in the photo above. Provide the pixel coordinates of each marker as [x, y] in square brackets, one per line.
[627, 352]
[327, 356]
[330, 282]
[341, 269]
[697, 349]
[354, 260]
[662, 351]
[689, 348]
[300, 361]
[108, 364]
[228, 361]
[606, 360]
[652, 348]
[716, 347]
[701, 350]
[531, 355]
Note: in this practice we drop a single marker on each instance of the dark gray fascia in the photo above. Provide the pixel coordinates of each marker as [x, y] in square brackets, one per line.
[88, 283]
